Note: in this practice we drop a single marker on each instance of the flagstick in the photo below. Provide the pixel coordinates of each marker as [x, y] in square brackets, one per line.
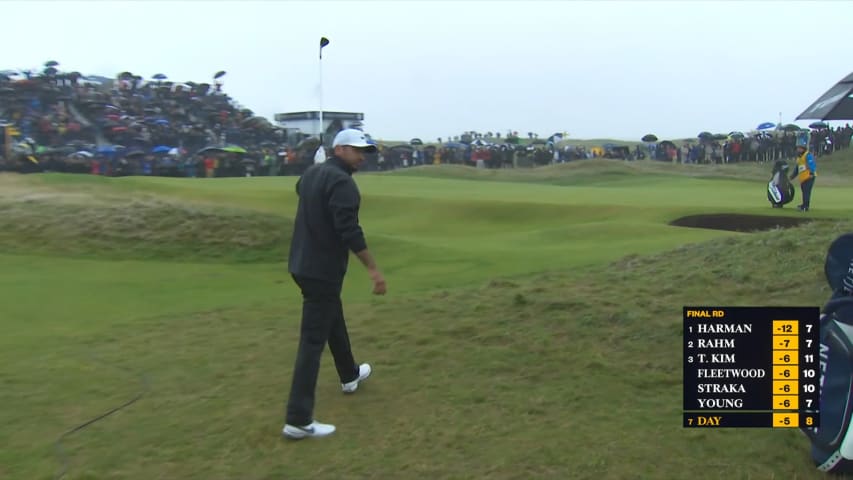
[321, 96]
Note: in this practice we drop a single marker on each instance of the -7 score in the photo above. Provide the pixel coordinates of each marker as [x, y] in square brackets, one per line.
[786, 343]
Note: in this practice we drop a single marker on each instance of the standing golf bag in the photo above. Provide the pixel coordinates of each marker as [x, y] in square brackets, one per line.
[832, 441]
[780, 190]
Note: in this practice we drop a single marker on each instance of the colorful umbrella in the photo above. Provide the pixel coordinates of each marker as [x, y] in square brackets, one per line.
[234, 149]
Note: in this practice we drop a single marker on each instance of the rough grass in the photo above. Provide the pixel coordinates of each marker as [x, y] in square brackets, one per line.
[559, 375]
[121, 228]
[570, 373]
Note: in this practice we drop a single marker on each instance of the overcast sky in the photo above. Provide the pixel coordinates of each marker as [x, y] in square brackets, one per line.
[432, 69]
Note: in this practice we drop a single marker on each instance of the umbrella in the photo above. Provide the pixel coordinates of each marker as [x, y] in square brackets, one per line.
[135, 153]
[159, 76]
[219, 74]
[667, 143]
[161, 149]
[209, 149]
[229, 149]
[766, 126]
[23, 147]
[819, 125]
[256, 121]
[416, 141]
[82, 153]
[310, 142]
[51, 63]
[705, 135]
[50, 71]
[789, 128]
[736, 135]
[720, 136]
[234, 149]
[649, 138]
[64, 149]
[835, 104]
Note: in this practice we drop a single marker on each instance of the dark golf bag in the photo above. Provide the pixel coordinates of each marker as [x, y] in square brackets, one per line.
[780, 190]
[832, 441]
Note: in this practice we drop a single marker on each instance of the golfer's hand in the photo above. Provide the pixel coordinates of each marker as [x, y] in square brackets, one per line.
[379, 287]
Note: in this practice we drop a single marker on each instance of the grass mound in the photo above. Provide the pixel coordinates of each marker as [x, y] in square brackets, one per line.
[593, 354]
[835, 169]
[74, 225]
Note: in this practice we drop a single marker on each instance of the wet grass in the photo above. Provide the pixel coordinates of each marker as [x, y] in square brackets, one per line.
[524, 336]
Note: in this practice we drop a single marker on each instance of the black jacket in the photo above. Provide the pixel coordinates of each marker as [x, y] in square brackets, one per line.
[326, 227]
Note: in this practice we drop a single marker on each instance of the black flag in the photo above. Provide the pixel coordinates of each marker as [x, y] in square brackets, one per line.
[323, 42]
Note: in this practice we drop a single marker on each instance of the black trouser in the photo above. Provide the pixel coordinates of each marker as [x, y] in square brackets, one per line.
[322, 321]
[806, 187]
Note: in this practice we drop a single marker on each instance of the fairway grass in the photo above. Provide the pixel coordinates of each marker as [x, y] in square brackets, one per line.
[532, 327]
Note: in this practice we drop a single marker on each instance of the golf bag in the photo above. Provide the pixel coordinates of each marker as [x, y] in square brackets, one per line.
[780, 190]
[832, 441]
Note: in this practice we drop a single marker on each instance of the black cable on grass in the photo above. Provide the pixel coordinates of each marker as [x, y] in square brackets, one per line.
[60, 452]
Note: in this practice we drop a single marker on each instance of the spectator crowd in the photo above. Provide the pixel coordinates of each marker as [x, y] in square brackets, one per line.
[67, 122]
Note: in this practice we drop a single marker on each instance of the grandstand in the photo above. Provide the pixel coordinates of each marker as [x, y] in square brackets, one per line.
[69, 120]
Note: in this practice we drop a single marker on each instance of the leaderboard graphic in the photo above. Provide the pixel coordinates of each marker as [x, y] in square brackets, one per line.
[751, 367]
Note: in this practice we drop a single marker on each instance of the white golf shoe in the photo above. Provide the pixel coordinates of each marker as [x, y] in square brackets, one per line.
[314, 429]
[363, 372]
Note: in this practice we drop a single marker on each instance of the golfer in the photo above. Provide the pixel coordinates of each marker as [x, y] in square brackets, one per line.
[325, 230]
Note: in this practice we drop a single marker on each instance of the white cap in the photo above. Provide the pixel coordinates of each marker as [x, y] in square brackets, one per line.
[353, 138]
